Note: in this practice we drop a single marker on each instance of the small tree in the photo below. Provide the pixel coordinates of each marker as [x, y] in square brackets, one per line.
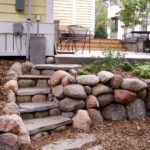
[133, 12]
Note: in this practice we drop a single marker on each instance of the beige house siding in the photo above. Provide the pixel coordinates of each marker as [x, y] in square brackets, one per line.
[75, 12]
[63, 11]
[8, 11]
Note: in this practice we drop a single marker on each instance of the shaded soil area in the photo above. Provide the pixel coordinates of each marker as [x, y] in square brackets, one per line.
[121, 135]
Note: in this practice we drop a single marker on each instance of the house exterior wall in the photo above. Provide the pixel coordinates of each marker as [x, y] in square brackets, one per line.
[75, 12]
[14, 45]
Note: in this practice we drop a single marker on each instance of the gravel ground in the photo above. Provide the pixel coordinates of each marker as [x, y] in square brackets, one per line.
[122, 135]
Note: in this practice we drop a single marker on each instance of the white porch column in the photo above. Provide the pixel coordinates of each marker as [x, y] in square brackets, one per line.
[73, 11]
[49, 11]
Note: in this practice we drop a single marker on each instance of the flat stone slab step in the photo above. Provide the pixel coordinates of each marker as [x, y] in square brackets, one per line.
[33, 77]
[35, 126]
[36, 106]
[76, 143]
[33, 91]
[56, 66]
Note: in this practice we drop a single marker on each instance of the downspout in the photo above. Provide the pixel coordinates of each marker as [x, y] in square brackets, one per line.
[28, 29]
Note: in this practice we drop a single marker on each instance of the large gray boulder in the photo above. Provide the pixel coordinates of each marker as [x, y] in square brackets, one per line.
[17, 68]
[105, 99]
[95, 116]
[88, 80]
[114, 112]
[105, 76]
[136, 109]
[69, 104]
[9, 141]
[132, 84]
[101, 89]
[116, 81]
[75, 91]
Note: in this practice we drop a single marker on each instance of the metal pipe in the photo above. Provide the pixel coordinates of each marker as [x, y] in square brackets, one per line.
[28, 28]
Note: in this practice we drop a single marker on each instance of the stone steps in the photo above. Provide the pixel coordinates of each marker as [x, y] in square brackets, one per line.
[56, 66]
[37, 125]
[36, 106]
[32, 91]
[33, 77]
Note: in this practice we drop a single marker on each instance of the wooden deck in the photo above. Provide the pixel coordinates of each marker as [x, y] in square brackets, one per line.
[96, 45]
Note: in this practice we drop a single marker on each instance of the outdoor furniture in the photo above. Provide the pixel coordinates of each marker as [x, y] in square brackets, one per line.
[78, 34]
[143, 36]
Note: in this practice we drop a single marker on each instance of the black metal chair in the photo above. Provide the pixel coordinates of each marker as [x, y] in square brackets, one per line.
[79, 34]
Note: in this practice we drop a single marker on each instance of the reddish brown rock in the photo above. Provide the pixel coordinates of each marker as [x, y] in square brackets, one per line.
[39, 98]
[54, 112]
[23, 99]
[41, 83]
[124, 96]
[92, 102]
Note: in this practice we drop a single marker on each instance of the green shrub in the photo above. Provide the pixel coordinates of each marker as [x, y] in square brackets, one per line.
[111, 60]
[101, 32]
[143, 70]
[126, 66]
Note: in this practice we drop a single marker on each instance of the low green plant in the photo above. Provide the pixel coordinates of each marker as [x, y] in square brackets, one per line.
[143, 70]
[126, 66]
[111, 60]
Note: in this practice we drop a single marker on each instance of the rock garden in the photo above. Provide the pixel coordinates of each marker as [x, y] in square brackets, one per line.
[46, 98]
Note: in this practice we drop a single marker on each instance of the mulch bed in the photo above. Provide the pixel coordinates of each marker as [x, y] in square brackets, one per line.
[120, 135]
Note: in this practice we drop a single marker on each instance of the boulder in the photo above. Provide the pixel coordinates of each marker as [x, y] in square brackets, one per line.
[124, 96]
[88, 90]
[136, 109]
[105, 99]
[147, 100]
[39, 98]
[47, 72]
[114, 112]
[92, 102]
[134, 85]
[73, 72]
[11, 97]
[15, 125]
[116, 81]
[35, 71]
[75, 91]
[105, 76]
[17, 68]
[90, 80]
[50, 60]
[68, 80]
[54, 112]
[57, 77]
[95, 116]
[58, 91]
[26, 67]
[41, 83]
[11, 85]
[69, 104]
[142, 94]
[41, 114]
[24, 99]
[101, 89]
[9, 141]
[11, 75]
[10, 109]
[25, 116]
[82, 120]
[67, 114]
[26, 83]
